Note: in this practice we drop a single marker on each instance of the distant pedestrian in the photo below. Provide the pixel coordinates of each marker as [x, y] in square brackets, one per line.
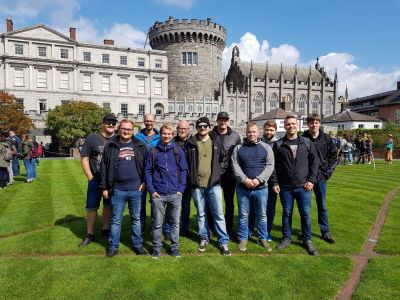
[5, 160]
[28, 155]
[368, 149]
[18, 144]
[389, 149]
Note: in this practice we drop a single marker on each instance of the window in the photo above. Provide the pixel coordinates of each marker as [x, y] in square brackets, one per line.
[64, 80]
[141, 83]
[42, 105]
[142, 108]
[180, 108]
[376, 126]
[87, 56]
[123, 60]
[231, 106]
[124, 109]
[20, 101]
[105, 58]
[64, 53]
[159, 108]
[19, 49]
[315, 105]
[189, 58]
[302, 103]
[360, 126]
[273, 101]
[328, 106]
[106, 105]
[19, 77]
[242, 106]
[140, 61]
[158, 64]
[42, 51]
[86, 82]
[42, 79]
[105, 83]
[123, 84]
[63, 102]
[158, 87]
[258, 103]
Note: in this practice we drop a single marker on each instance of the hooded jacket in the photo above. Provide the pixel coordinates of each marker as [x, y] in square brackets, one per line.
[141, 136]
[110, 161]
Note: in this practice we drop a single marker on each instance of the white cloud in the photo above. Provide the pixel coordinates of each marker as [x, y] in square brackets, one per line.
[185, 4]
[125, 34]
[360, 81]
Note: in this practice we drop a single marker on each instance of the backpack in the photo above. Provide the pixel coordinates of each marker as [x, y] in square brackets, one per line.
[6, 153]
[34, 153]
[154, 152]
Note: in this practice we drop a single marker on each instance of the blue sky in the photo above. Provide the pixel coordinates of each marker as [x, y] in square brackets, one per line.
[358, 38]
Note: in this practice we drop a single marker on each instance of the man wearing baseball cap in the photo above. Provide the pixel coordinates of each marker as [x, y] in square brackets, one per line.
[205, 156]
[229, 139]
[91, 157]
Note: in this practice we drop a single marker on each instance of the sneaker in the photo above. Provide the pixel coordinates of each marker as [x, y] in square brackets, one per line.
[202, 246]
[225, 251]
[140, 251]
[269, 237]
[167, 236]
[242, 245]
[310, 248]
[284, 243]
[328, 238]
[105, 234]
[87, 239]
[110, 253]
[155, 255]
[265, 245]
[176, 254]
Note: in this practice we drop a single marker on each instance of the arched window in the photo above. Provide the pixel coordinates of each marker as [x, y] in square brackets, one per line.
[302, 104]
[328, 109]
[190, 108]
[199, 108]
[231, 106]
[180, 108]
[315, 105]
[242, 106]
[215, 109]
[171, 108]
[273, 101]
[208, 108]
[258, 103]
[159, 109]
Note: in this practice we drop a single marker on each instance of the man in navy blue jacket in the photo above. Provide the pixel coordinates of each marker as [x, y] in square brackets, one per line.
[166, 172]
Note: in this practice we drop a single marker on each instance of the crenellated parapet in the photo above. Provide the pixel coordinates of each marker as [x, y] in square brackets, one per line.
[185, 30]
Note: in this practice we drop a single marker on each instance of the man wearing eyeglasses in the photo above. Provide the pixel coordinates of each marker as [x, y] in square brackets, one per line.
[122, 181]
[91, 157]
[205, 155]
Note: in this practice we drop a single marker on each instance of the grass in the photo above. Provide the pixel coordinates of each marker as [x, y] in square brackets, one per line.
[42, 223]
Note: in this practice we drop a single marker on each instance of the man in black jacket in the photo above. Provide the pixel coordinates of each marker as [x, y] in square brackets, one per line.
[205, 155]
[326, 149]
[122, 180]
[296, 167]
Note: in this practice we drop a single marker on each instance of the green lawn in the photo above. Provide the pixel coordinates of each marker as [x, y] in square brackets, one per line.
[42, 223]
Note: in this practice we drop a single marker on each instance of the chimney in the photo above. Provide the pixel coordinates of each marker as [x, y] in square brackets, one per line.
[398, 85]
[109, 42]
[72, 33]
[10, 25]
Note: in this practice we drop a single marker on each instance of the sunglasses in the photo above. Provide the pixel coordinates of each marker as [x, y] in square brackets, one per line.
[110, 123]
[202, 126]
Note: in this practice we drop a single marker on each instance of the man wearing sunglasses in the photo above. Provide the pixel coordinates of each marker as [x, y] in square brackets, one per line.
[91, 157]
[205, 156]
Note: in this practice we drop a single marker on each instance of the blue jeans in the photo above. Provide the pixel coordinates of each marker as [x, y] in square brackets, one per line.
[303, 199]
[271, 204]
[185, 213]
[15, 166]
[245, 197]
[118, 200]
[30, 167]
[212, 196]
[170, 205]
[320, 197]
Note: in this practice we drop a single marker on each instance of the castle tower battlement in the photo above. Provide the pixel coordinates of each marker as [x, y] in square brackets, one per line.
[194, 49]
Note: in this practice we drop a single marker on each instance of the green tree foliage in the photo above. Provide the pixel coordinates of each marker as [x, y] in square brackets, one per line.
[74, 119]
[12, 115]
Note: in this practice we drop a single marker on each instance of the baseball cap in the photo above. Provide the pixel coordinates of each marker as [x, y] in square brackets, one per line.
[222, 114]
[110, 118]
[203, 121]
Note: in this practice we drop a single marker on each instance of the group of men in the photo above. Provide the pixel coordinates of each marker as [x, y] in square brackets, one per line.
[209, 166]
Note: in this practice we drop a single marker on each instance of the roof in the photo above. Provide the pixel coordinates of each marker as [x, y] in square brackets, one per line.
[274, 71]
[349, 116]
[393, 98]
[375, 96]
[278, 113]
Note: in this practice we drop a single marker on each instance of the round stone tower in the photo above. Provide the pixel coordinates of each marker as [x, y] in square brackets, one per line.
[194, 49]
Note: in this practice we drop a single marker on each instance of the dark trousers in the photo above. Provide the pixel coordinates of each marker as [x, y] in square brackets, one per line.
[228, 185]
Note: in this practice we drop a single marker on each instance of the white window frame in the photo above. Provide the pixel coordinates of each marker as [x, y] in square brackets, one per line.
[158, 64]
[86, 82]
[105, 83]
[124, 111]
[141, 62]
[19, 77]
[107, 105]
[42, 102]
[123, 84]
[64, 53]
[87, 56]
[141, 86]
[19, 49]
[42, 51]
[141, 109]
[158, 87]
[41, 78]
[123, 60]
[105, 58]
[64, 80]
[190, 59]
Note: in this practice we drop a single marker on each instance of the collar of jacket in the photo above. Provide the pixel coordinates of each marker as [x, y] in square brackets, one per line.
[115, 141]
[215, 129]
[245, 141]
[307, 134]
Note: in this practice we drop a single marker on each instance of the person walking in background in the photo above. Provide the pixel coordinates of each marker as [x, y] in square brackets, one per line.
[18, 144]
[28, 156]
[368, 149]
[326, 150]
[91, 158]
[389, 149]
[360, 143]
[229, 140]
[149, 136]
[205, 155]
[123, 181]
[166, 172]
[252, 164]
[6, 155]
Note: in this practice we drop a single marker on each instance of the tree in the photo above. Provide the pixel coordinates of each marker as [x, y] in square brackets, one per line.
[73, 120]
[12, 115]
